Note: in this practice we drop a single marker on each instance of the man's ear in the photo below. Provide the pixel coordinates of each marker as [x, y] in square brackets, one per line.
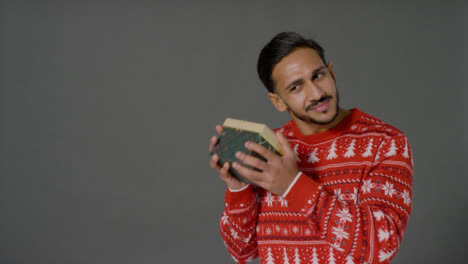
[277, 102]
[330, 70]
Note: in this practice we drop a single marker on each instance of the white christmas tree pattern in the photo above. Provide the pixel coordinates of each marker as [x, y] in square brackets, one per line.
[405, 152]
[368, 151]
[297, 259]
[297, 153]
[378, 152]
[332, 152]
[350, 151]
[285, 256]
[384, 234]
[385, 255]
[349, 260]
[379, 215]
[392, 150]
[269, 258]
[313, 156]
[331, 257]
[315, 259]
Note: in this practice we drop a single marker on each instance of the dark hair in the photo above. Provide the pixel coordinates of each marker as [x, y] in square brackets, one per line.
[279, 47]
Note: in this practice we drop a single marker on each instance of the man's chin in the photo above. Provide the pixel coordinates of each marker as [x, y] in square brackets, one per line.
[320, 118]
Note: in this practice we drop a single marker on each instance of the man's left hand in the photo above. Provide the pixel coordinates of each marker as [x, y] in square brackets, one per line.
[277, 173]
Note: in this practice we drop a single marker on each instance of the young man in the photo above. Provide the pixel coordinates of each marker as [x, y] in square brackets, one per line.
[341, 193]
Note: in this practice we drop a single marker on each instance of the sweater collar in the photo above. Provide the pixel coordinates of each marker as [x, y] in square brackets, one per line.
[339, 129]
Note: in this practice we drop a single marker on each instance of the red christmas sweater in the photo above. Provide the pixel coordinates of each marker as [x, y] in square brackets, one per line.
[350, 202]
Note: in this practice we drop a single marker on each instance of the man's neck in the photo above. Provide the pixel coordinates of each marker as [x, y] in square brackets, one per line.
[309, 129]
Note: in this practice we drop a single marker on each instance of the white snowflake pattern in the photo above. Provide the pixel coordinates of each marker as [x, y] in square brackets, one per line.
[338, 194]
[284, 202]
[247, 240]
[285, 232]
[344, 215]
[268, 231]
[277, 228]
[366, 186]
[388, 189]
[307, 232]
[225, 219]
[295, 229]
[269, 199]
[340, 233]
[355, 195]
[406, 197]
[234, 234]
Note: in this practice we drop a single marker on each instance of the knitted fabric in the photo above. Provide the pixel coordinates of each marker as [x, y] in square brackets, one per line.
[350, 203]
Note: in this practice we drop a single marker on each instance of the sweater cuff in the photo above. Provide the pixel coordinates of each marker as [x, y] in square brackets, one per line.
[302, 194]
[240, 189]
[239, 200]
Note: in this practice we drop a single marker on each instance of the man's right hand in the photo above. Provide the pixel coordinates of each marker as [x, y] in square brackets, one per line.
[231, 182]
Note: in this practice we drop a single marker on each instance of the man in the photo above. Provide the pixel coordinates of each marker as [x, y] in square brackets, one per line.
[342, 191]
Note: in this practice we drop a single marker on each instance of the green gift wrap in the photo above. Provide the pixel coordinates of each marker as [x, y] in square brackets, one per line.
[232, 139]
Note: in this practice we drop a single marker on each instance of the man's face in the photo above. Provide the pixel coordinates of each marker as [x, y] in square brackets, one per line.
[306, 87]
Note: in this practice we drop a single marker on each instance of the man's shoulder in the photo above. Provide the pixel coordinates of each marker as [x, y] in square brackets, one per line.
[285, 129]
[372, 124]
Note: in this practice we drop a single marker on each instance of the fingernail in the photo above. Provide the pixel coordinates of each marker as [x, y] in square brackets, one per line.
[247, 144]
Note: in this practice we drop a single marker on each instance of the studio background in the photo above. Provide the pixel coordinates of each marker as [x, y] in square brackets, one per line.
[107, 107]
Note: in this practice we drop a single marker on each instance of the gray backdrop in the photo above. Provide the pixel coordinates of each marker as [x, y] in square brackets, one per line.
[107, 110]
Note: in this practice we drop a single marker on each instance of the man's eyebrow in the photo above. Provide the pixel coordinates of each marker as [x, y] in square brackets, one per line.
[297, 81]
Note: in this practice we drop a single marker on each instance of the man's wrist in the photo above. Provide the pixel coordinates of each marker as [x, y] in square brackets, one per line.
[291, 184]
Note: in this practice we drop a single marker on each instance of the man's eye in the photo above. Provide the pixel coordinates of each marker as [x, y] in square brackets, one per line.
[295, 87]
[318, 75]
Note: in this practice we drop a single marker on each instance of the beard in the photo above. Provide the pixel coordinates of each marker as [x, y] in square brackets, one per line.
[309, 119]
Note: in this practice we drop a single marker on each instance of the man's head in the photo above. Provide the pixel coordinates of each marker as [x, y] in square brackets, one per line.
[294, 71]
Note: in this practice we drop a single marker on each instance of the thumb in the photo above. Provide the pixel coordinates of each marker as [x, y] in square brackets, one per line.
[285, 146]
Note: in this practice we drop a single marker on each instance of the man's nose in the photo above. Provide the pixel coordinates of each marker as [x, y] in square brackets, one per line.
[313, 91]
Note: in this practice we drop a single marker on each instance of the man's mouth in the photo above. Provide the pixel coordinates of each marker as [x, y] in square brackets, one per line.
[320, 107]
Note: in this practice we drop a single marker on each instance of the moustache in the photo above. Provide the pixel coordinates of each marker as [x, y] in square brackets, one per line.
[316, 102]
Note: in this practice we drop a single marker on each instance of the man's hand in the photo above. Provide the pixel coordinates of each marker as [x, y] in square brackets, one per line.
[277, 173]
[224, 174]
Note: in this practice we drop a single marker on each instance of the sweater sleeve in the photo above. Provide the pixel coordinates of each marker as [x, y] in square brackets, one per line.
[367, 223]
[238, 223]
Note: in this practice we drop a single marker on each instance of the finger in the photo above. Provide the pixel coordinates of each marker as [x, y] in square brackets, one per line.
[285, 145]
[266, 153]
[214, 162]
[251, 160]
[213, 141]
[224, 172]
[219, 129]
[252, 175]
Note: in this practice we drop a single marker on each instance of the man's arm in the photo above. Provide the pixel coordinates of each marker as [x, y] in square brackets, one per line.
[238, 223]
[368, 223]
[239, 218]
